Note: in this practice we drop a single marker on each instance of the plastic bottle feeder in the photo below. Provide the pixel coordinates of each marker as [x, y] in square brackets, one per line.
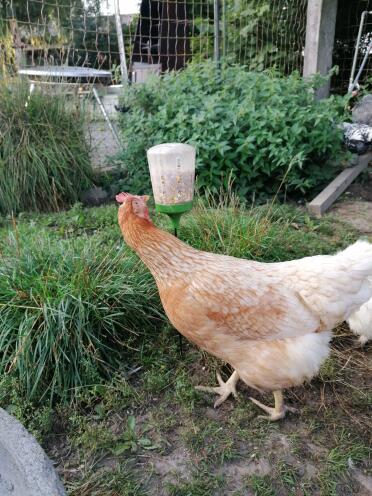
[172, 171]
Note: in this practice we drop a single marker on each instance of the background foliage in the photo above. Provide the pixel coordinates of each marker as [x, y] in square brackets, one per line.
[84, 36]
[261, 128]
[256, 33]
[44, 160]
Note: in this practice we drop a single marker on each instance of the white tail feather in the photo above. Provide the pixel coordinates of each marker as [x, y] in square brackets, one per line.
[360, 322]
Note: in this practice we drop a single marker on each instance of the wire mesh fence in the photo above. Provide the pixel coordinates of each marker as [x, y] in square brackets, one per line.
[256, 33]
[163, 33]
[58, 32]
[265, 34]
[347, 27]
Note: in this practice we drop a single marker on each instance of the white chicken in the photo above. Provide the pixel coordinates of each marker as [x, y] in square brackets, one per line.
[360, 322]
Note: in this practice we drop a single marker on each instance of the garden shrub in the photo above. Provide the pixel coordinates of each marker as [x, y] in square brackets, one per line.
[261, 128]
[44, 160]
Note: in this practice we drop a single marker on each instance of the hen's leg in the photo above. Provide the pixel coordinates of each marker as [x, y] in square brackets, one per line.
[224, 389]
[279, 410]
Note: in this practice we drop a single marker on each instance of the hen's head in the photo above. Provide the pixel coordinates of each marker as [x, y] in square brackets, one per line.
[132, 205]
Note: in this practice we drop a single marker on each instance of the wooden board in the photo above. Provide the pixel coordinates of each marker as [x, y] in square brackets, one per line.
[329, 195]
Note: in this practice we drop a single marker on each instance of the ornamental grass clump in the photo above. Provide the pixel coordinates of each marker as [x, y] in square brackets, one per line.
[44, 159]
[70, 311]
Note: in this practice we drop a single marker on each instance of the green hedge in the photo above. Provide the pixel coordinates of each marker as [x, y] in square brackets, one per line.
[261, 128]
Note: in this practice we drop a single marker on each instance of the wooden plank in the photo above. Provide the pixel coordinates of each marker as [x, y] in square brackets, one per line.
[329, 195]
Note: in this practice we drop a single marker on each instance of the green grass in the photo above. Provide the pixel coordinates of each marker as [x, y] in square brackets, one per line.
[44, 160]
[116, 482]
[68, 309]
[261, 486]
[202, 483]
[333, 475]
[67, 281]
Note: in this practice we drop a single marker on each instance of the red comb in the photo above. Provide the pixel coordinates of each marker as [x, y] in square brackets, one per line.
[122, 197]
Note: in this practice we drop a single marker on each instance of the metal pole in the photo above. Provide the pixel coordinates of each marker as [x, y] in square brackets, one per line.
[217, 32]
[366, 55]
[224, 29]
[119, 32]
[180, 339]
[107, 119]
[350, 88]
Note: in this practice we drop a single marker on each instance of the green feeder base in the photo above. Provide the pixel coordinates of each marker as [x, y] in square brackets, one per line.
[174, 211]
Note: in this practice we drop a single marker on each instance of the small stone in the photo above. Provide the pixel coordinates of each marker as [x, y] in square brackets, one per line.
[94, 196]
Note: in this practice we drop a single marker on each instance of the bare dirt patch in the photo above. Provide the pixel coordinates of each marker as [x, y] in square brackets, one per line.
[355, 205]
[358, 213]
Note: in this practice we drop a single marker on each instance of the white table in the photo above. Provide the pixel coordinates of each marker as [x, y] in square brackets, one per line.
[62, 73]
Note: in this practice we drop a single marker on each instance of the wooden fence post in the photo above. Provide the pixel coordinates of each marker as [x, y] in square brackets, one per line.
[320, 33]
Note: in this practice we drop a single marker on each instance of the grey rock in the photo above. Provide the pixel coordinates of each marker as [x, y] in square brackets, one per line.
[25, 470]
[94, 196]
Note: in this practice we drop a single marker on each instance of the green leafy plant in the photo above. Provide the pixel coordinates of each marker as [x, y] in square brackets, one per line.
[44, 160]
[256, 33]
[131, 441]
[261, 130]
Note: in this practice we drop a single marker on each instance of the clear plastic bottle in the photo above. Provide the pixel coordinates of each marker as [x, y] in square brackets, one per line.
[172, 170]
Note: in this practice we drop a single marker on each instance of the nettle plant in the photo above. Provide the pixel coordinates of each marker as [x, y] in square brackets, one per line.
[260, 130]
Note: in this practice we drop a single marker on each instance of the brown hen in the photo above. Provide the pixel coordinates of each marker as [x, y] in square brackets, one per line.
[271, 322]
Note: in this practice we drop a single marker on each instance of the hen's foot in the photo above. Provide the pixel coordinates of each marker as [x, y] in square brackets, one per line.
[224, 389]
[276, 413]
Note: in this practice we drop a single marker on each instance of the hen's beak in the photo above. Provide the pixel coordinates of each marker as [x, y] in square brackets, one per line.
[122, 197]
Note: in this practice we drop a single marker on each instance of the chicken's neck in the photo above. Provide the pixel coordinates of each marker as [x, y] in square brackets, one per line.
[165, 255]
